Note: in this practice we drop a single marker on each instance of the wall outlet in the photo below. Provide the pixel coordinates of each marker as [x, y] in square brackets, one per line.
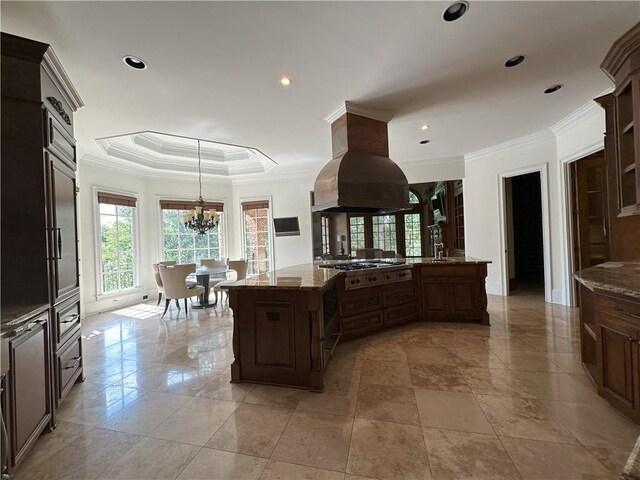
[145, 297]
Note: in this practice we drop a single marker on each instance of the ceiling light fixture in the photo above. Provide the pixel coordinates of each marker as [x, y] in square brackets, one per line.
[424, 127]
[424, 142]
[134, 62]
[201, 219]
[455, 11]
[514, 61]
[285, 81]
[554, 88]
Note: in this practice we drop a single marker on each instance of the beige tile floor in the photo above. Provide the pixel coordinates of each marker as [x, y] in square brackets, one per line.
[441, 401]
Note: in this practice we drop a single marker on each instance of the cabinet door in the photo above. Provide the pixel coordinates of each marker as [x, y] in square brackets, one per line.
[29, 388]
[616, 365]
[465, 297]
[62, 202]
[435, 296]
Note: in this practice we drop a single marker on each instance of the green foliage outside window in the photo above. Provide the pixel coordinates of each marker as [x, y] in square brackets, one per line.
[183, 245]
[116, 247]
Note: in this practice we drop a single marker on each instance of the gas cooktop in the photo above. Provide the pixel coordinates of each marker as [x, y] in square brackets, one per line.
[361, 265]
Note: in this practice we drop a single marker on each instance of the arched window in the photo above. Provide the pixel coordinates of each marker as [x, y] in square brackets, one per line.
[413, 197]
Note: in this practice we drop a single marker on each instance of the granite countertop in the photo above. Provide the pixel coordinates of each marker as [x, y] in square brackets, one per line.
[312, 276]
[298, 277]
[622, 278]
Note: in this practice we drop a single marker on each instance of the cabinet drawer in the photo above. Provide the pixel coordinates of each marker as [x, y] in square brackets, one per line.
[60, 142]
[399, 296]
[360, 304]
[617, 308]
[400, 313]
[69, 365]
[67, 319]
[449, 271]
[367, 321]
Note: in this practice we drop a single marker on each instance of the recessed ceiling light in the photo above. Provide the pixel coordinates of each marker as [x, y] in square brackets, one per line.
[424, 142]
[424, 127]
[134, 62]
[554, 88]
[514, 61]
[455, 11]
[285, 81]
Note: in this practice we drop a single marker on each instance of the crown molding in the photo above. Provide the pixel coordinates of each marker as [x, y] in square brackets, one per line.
[578, 116]
[350, 107]
[55, 70]
[432, 161]
[515, 143]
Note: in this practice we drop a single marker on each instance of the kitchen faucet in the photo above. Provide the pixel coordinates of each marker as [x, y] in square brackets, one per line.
[439, 249]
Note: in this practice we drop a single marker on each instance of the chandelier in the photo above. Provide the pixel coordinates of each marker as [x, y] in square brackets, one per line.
[200, 219]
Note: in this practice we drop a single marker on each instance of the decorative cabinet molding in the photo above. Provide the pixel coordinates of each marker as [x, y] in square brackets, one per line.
[57, 104]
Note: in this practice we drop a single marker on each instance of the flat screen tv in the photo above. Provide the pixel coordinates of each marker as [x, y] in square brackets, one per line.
[286, 226]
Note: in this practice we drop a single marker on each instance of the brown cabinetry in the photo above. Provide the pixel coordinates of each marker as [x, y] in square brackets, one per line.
[39, 239]
[454, 292]
[617, 325]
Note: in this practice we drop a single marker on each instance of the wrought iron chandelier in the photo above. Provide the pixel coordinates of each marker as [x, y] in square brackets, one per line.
[200, 219]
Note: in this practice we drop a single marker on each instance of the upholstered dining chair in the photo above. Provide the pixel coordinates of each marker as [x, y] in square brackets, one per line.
[156, 275]
[214, 279]
[238, 271]
[174, 282]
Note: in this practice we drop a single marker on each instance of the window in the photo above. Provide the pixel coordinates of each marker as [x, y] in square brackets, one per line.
[414, 199]
[384, 232]
[182, 244]
[326, 242]
[412, 235]
[257, 241]
[117, 242]
[356, 233]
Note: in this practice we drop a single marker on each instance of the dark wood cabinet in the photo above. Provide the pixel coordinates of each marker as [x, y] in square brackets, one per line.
[454, 292]
[39, 239]
[29, 386]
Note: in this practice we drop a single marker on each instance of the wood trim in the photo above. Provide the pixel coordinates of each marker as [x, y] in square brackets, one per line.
[189, 205]
[255, 204]
[116, 199]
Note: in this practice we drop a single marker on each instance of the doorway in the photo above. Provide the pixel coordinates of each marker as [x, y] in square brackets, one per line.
[524, 228]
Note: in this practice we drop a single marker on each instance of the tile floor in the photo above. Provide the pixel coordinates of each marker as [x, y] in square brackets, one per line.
[422, 401]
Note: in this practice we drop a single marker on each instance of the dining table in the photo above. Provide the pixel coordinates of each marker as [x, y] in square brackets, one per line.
[204, 275]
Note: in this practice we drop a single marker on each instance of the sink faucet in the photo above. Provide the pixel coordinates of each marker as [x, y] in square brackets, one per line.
[439, 249]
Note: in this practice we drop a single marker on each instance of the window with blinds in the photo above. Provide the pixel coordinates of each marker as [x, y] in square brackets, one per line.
[183, 245]
[117, 243]
[257, 236]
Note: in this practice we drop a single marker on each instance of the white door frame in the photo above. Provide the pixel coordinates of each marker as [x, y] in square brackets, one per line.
[546, 238]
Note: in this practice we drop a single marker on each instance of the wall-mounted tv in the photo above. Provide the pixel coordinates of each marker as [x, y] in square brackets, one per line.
[286, 226]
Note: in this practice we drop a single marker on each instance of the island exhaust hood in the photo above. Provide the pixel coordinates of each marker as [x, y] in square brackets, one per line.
[360, 178]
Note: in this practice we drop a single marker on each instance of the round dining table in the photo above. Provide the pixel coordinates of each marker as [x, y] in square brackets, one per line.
[203, 276]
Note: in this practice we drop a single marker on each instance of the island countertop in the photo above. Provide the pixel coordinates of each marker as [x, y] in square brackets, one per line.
[314, 276]
[622, 278]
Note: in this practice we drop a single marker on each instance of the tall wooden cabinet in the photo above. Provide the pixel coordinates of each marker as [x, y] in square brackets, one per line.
[40, 271]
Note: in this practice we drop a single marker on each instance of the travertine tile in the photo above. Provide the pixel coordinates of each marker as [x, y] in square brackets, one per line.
[252, 430]
[281, 397]
[385, 353]
[451, 410]
[596, 425]
[428, 356]
[281, 470]
[221, 388]
[465, 358]
[463, 455]
[96, 409]
[337, 403]
[316, 440]
[215, 464]
[387, 451]
[438, 377]
[544, 461]
[613, 460]
[385, 373]
[387, 403]
[523, 418]
[493, 381]
[151, 459]
[526, 361]
[195, 422]
[558, 386]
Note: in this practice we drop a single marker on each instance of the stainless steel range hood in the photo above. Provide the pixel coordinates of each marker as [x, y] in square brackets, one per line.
[361, 178]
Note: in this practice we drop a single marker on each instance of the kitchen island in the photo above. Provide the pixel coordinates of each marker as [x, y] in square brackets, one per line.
[288, 322]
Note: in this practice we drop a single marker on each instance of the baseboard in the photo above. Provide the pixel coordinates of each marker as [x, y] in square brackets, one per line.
[557, 296]
[494, 288]
[118, 301]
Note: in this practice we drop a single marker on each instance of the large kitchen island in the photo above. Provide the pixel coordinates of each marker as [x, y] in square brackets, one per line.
[288, 322]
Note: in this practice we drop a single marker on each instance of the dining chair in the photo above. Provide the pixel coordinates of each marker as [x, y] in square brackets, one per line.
[174, 281]
[215, 263]
[156, 275]
[237, 271]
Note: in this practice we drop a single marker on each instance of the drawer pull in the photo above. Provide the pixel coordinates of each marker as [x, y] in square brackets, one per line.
[76, 360]
[73, 318]
[624, 312]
